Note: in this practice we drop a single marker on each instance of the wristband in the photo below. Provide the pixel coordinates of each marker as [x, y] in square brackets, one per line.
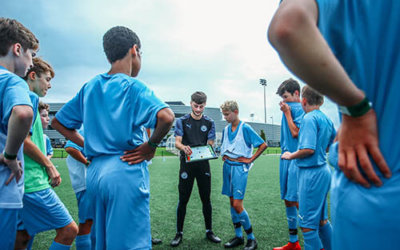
[152, 144]
[87, 163]
[9, 157]
[357, 110]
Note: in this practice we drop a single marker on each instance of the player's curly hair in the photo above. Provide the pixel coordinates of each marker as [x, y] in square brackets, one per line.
[117, 41]
[312, 96]
[290, 85]
[43, 105]
[12, 32]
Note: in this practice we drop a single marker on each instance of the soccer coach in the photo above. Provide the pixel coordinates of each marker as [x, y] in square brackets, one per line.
[194, 129]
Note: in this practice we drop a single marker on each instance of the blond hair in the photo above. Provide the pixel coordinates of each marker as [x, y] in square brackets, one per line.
[230, 106]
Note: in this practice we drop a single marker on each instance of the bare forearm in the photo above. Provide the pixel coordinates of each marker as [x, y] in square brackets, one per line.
[70, 134]
[18, 127]
[294, 130]
[210, 142]
[31, 150]
[179, 145]
[165, 118]
[302, 153]
[295, 35]
[259, 151]
[76, 154]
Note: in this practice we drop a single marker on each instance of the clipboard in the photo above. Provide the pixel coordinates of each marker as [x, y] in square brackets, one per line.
[201, 153]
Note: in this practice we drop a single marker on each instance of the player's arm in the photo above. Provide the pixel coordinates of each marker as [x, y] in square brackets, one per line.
[70, 134]
[294, 130]
[19, 124]
[301, 153]
[259, 151]
[293, 32]
[165, 118]
[77, 155]
[31, 150]
[179, 145]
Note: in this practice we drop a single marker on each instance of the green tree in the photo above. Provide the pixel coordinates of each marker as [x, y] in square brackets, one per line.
[262, 134]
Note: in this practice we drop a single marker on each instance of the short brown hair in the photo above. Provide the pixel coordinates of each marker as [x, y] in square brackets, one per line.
[43, 105]
[12, 32]
[290, 85]
[230, 106]
[199, 97]
[40, 67]
[313, 97]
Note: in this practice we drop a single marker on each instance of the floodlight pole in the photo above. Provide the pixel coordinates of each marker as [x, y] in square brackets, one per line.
[263, 82]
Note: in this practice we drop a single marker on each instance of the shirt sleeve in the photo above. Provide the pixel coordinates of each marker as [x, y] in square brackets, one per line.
[308, 133]
[251, 137]
[298, 117]
[178, 128]
[70, 144]
[211, 133]
[71, 114]
[147, 105]
[15, 93]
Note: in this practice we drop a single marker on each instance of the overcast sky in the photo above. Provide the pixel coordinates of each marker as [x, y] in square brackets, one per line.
[216, 46]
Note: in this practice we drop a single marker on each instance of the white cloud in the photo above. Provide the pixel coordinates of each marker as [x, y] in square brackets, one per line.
[219, 47]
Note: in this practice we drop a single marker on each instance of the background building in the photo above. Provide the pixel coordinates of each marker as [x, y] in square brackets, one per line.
[271, 131]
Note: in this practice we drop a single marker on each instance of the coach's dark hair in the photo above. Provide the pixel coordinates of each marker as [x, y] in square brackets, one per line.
[12, 32]
[199, 97]
[313, 97]
[117, 41]
[290, 85]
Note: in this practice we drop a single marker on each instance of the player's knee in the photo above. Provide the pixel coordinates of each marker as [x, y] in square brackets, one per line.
[68, 233]
[238, 207]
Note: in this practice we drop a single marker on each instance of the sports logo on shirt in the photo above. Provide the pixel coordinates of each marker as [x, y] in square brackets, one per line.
[184, 175]
[203, 128]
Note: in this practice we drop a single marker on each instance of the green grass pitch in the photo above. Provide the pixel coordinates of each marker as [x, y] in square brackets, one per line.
[262, 201]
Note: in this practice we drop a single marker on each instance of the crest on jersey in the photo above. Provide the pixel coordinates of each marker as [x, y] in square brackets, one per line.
[203, 128]
[184, 175]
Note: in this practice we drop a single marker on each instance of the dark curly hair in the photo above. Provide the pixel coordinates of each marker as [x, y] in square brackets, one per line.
[117, 41]
[12, 32]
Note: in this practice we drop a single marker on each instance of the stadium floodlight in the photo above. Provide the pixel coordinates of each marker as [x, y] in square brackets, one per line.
[263, 82]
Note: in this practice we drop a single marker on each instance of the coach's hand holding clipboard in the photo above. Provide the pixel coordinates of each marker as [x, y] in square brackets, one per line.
[201, 153]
